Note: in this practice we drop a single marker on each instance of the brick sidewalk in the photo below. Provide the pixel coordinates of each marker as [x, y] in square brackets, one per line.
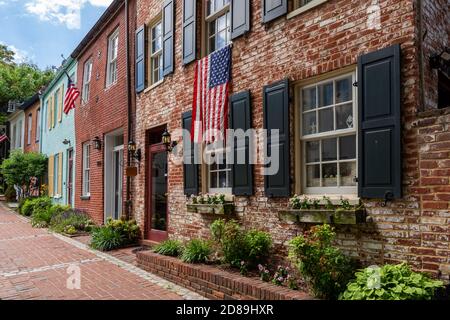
[34, 265]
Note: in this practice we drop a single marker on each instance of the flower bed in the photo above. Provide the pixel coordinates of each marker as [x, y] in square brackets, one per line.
[213, 283]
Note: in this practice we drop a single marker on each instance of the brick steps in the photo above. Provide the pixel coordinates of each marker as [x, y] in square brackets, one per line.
[213, 283]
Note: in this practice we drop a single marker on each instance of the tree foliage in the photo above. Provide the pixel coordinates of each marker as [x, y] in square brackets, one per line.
[20, 167]
[19, 82]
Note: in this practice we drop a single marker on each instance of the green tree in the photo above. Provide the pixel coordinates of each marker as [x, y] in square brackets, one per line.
[19, 82]
[20, 167]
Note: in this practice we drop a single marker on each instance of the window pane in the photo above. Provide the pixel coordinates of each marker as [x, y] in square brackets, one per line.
[326, 120]
[313, 151]
[309, 99]
[329, 149]
[344, 90]
[309, 123]
[221, 40]
[213, 179]
[344, 116]
[347, 148]
[212, 28]
[326, 94]
[348, 174]
[223, 181]
[222, 22]
[313, 176]
[329, 173]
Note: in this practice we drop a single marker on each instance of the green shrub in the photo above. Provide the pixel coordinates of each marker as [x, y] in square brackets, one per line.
[41, 218]
[115, 234]
[70, 220]
[391, 282]
[258, 245]
[171, 248]
[196, 251]
[127, 228]
[238, 246]
[27, 207]
[324, 266]
[106, 239]
[43, 203]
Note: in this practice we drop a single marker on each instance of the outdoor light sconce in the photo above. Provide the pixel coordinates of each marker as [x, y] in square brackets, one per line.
[167, 141]
[135, 153]
[66, 142]
[97, 143]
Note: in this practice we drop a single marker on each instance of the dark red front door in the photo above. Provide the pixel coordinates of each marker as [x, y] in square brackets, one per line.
[157, 209]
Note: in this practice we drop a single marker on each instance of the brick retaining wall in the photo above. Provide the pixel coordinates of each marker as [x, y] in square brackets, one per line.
[214, 283]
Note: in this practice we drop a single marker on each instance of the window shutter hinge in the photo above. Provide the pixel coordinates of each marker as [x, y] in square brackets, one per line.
[355, 84]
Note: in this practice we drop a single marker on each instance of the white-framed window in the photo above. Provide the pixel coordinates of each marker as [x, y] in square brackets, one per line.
[156, 57]
[113, 49]
[218, 21]
[86, 188]
[29, 128]
[329, 136]
[56, 174]
[219, 173]
[38, 124]
[87, 74]
[301, 3]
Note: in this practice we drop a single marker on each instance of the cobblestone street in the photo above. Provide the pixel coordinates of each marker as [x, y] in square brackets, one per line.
[36, 264]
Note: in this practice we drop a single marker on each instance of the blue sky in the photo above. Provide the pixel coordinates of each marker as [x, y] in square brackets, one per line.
[40, 31]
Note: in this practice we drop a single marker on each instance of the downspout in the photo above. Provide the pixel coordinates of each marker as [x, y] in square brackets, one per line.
[422, 35]
[130, 110]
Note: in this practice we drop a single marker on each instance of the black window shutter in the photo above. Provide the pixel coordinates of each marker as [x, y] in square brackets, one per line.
[189, 31]
[273, 9]
[379, 102]
[190, 169]
[168, 36]
[276, 116]
[241, 118]
[140, 59]
[240, 17]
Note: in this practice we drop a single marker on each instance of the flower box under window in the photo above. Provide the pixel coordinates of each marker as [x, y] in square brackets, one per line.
[219, 209]
[338, 216]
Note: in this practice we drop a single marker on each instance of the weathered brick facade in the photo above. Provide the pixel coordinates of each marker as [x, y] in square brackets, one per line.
[107, 108]
[324, 39]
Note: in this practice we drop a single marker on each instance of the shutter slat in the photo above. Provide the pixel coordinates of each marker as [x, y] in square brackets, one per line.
[276, 117]
[50, 175]
[190, 169]
[140, 59]
[168, 36]
[274, 9]
[241, 118]
[240, 17]
[379, 103]
[189, 30]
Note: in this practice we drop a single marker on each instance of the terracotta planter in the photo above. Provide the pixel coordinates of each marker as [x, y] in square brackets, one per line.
[339, 216]
[218, 209]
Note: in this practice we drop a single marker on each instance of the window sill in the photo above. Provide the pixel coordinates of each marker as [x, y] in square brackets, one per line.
[109, 86]
[305, 8]
[153, 86]
[57, 197]
[85, 198]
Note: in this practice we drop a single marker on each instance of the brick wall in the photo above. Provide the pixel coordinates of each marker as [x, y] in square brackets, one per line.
[106, 110]
[34, 145]
[326, 38]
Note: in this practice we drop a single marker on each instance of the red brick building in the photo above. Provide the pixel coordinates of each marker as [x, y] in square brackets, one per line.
[32, 110]
[102, 115]
[362, 113]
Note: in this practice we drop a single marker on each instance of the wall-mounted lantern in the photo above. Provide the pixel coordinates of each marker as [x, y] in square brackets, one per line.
[167, 141]
[97, 143]
[135, 153]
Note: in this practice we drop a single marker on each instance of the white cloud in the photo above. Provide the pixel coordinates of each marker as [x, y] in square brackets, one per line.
[66, 12]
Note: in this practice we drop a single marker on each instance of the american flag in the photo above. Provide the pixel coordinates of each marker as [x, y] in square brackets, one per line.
[211, 88]
[71, 95]
[3, 137]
